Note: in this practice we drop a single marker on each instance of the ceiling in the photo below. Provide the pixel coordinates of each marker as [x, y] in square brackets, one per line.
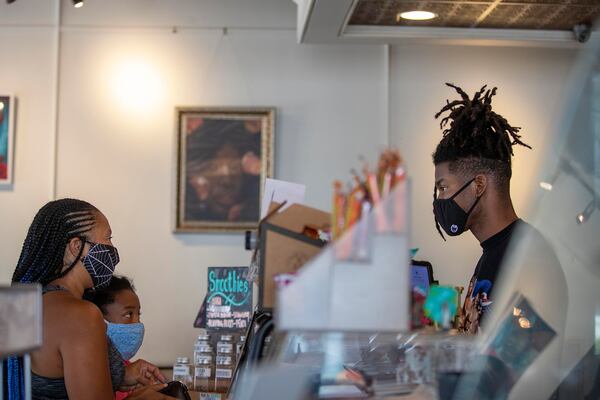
[519, 14]
[547, 23]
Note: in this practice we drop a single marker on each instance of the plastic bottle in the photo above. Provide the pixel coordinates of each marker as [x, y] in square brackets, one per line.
[182, 371]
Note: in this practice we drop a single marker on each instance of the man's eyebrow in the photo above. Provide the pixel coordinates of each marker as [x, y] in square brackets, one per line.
[439, 181]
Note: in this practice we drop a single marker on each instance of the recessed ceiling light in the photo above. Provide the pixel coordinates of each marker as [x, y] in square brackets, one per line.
[77, 3]
[416, 15]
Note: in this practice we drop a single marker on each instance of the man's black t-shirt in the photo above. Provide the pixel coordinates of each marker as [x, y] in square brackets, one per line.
[479, 294]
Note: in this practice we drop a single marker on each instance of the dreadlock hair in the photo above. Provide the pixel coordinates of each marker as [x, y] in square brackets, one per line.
[42, 260]
[105, 296]
[478, 141]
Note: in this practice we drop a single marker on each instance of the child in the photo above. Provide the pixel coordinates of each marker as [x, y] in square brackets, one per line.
[120, 306]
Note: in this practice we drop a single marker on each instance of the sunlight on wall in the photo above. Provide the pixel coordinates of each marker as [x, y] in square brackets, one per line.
[137, 85]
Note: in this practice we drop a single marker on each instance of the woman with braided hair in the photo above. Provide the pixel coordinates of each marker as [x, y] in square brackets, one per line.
[68, 250]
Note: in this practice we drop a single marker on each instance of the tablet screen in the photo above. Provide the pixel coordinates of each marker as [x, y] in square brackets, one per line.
[420, 277]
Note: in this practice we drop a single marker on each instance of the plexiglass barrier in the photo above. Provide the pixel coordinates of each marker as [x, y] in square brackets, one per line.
[358, 283]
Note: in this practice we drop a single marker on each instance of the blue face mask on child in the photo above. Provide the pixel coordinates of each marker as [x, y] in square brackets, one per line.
[127, 338]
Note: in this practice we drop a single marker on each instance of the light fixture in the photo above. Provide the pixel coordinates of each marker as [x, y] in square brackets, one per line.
[1, 106]
[415, 15]
[550, 180]
[584, 216]
[77, 3]
[524, 323]
[517, 311]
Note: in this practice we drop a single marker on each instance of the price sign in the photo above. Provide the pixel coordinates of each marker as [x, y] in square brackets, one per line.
[228, 302]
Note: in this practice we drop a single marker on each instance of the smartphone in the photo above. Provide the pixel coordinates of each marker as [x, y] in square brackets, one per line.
[176, 389]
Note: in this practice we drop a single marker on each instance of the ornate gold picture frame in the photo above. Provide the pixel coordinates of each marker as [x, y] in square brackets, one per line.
[224, 155]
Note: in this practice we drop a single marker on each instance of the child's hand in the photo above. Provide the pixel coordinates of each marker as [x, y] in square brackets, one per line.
[141, 373]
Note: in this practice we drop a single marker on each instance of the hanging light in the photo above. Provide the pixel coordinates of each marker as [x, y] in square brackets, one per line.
[77, 3]
[584, 216]
[546, 186]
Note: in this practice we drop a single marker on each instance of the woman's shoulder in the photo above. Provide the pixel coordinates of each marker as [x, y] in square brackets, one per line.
[73, 313]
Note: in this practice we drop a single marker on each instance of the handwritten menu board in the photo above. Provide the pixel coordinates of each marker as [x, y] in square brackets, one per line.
[228, 302]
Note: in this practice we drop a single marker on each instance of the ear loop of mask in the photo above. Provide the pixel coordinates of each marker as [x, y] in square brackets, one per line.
[437, 224]
[473, 206]
[476, 200]
[70, 267]
[459, 191]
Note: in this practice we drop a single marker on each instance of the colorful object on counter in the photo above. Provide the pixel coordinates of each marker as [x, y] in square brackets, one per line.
[317, 233]
[339, 205]
[366, 192]
[418, 318]
[440, 305]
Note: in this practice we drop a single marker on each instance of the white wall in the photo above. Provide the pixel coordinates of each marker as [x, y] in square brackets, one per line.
[331, 108]
[26, 44]
[530, 84]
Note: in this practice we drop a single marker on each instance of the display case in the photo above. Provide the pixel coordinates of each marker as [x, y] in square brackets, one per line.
[340, 365]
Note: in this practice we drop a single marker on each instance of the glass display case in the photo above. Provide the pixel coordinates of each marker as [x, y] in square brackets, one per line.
[340, 365]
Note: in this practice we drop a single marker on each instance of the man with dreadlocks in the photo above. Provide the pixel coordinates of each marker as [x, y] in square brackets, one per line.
[472, 189]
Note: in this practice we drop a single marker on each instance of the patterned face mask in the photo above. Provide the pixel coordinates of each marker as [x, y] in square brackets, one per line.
[100, 262]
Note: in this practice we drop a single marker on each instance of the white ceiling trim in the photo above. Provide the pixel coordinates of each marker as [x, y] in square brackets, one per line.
[460, 36]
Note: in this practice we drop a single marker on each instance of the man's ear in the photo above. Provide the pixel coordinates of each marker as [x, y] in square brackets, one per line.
[74, 247]
[481, 183]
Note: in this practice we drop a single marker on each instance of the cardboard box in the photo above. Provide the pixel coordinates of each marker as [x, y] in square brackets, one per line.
[283, 247]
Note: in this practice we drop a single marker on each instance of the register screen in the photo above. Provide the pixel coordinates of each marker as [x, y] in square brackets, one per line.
[419, 277]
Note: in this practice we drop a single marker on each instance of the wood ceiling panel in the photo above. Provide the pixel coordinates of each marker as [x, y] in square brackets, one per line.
[522, 14]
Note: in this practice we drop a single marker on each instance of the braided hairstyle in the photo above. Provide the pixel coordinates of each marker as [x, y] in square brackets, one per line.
[53, 227]
[42, 260]
[478, 141]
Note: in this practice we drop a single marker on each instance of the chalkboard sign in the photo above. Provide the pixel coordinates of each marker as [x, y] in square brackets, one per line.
[228, 302]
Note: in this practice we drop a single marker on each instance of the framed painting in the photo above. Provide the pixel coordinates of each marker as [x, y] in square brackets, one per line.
[224, 155]
[7, 122]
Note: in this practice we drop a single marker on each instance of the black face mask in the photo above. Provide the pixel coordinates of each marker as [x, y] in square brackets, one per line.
[449, 215]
